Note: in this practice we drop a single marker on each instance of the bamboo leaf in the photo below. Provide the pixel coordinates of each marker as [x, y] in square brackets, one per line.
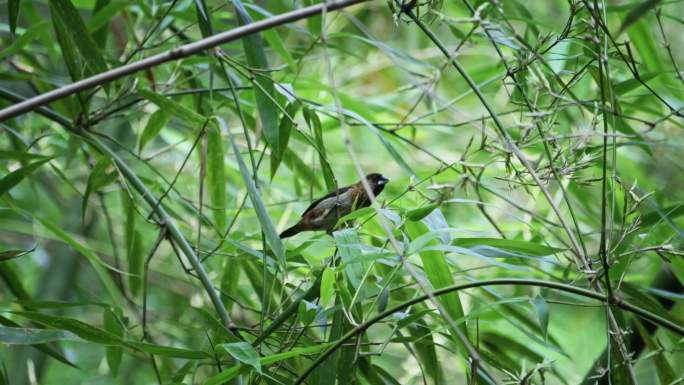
[155, 124]
[46, 349]
[13, 178]
[96, 335]
[512, 245]
[13, 13]
[665, 371]
[67, 14]
[20, 155]
[191, 117]
[99, 177]
[230, 373]
[350, 247]
[543, 311]
[113, 353]
[94, 260]
[216, 177]
[267, 226]
[421, 212]
[243, 352]
[284, 130]
[81, 329]
[314, 123]
[25, 38]
[264, 88]
[32, 336]
[129, 235]
[639, 11]
[327, 286]
[439, 274]
[12, 254]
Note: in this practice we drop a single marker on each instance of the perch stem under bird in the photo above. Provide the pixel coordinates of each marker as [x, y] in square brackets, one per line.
[323, 213]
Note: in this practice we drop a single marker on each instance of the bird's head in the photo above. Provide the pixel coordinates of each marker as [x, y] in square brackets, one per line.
[377, 182]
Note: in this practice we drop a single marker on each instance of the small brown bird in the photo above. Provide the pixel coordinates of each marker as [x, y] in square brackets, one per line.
[324, 213]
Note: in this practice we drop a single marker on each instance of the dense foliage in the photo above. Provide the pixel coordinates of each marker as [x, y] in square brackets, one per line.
[532, 231]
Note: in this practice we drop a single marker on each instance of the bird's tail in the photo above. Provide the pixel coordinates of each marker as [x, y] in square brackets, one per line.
[292, 231]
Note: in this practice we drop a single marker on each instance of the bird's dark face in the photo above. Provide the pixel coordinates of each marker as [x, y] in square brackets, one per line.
[377, 182]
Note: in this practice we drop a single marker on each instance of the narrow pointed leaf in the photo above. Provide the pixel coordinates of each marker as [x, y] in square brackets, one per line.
[267, 226]
[12, 179]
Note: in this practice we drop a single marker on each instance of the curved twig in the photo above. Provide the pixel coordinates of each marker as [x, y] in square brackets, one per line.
[171, 55]
[654, 318]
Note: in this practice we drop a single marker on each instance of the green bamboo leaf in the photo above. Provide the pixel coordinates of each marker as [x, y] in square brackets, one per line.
[266, 224]
[425, 350]
[38, 304]
[625, 86]
[314, 123]
[99, 177]
[383, 300]
[20, 155]
[32, 336]
[385, 142]
[652, 217]
[99, 35]
[327, 286]
[68, 15]
[636, 13]
[284, 130]
[13, 14]
[133, 244]
[96, 335]
[264, 88]
[515, 246]
[350, 247]
[216, 177]
[230, 276]
[12, 254]
[72, 62]
[273, 39]
[543, 312]
[231, 372]
[94, 260]
[79, 328]
[157, 121]
[167, 351]
[302, 170]
[243, 352]
[103, 12]
[189, 116]
[439, 274]
[421, 212]
[306, 312]
[384, 47]
[25, 38]
[46, 349]
[641, 36]
[13, 178]
[203, 18]
[112, 325]
[272, 36]
[499, 343]
[665, 371]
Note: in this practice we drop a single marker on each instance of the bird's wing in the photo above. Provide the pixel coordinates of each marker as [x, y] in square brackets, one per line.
[337, 192]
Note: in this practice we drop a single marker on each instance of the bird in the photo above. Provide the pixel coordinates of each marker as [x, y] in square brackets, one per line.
[323, 213]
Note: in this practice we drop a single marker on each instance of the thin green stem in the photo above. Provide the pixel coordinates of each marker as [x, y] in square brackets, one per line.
[162, 216]
[581, 258]
[647, 315]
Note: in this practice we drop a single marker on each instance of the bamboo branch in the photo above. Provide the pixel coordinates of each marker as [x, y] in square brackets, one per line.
[162, 216]
[652, 317]
[172, 55]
